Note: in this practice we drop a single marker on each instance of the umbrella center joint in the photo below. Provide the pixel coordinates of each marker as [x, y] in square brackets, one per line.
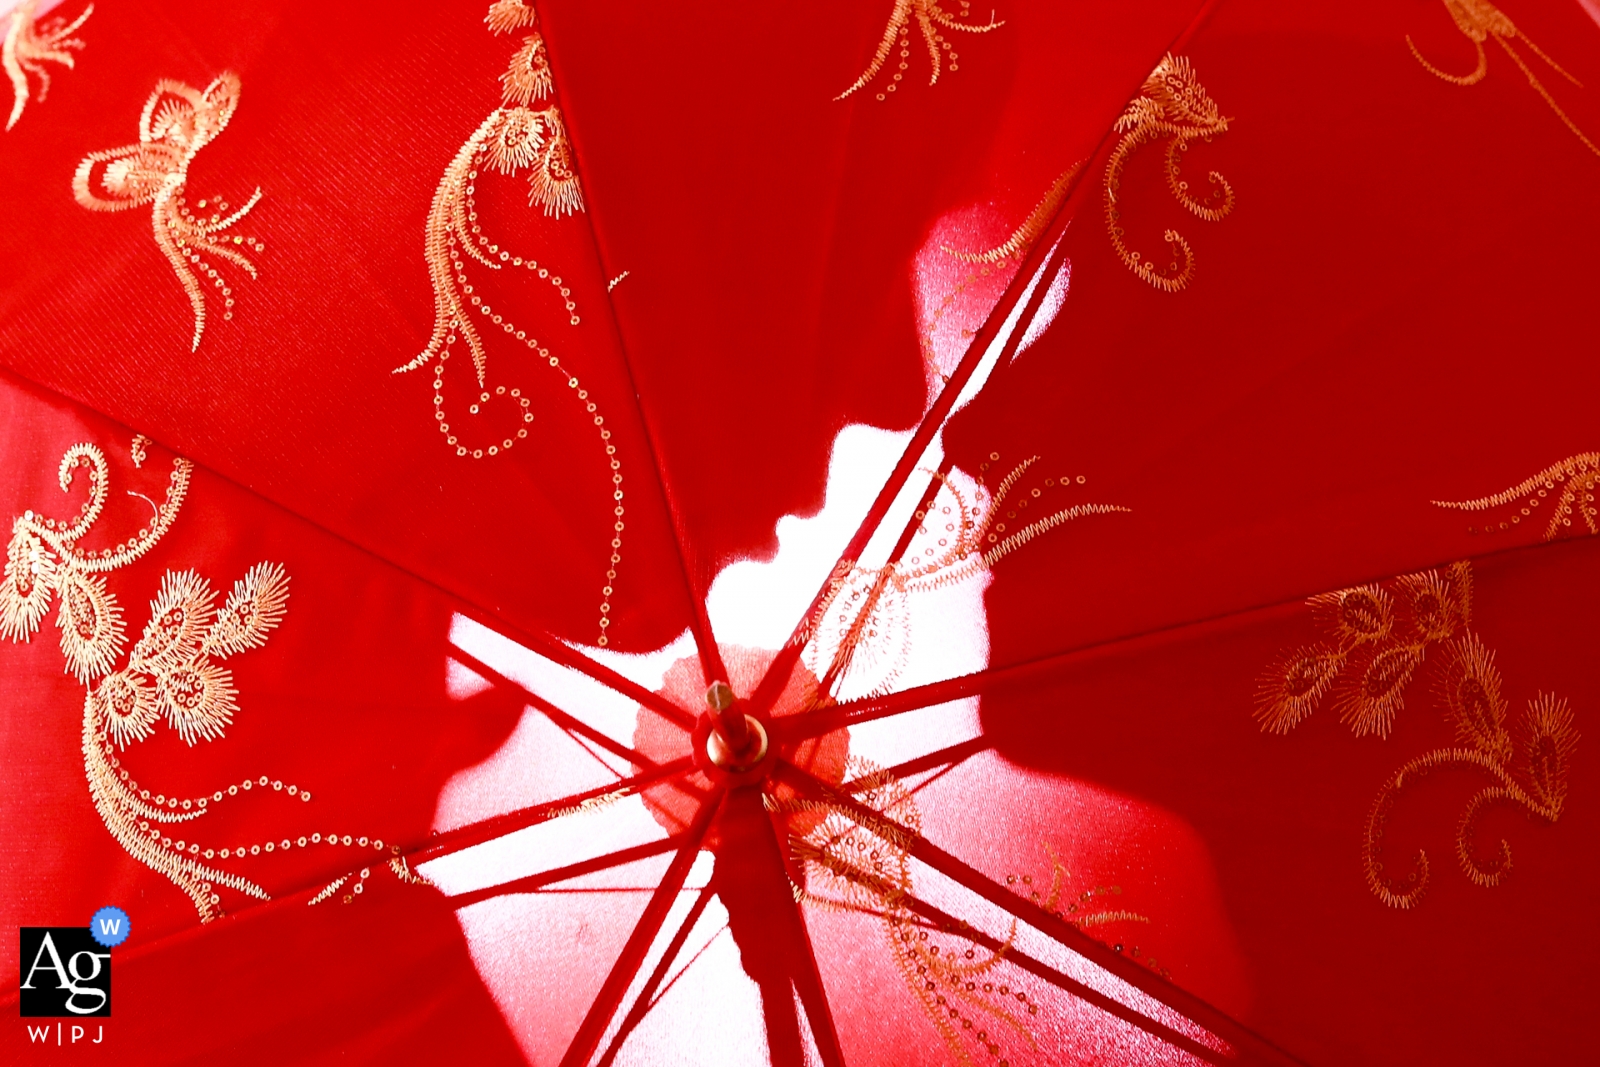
[735, 742]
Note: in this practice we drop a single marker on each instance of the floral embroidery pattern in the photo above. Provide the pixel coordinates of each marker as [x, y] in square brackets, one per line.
[863, 631]
[956, 974]
[29, 45]
[176, 123]
[1173, 105]
[1573, 480]
[173, 671]
[1479, 20]
[1530, 773]
[514, 139]
[1379, 635]
[931, 19]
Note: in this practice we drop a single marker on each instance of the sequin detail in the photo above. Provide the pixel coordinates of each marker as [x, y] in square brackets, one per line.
[933, 22]
[174, 673]
[862, 634]
[960, 977]
[1572, 482]
[515, 138]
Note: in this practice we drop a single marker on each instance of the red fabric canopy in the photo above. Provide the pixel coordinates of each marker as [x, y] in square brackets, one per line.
[523, 404]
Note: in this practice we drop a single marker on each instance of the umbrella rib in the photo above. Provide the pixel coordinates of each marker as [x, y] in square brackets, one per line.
[564, 719]
[476, 833]
[846, 649]
[948, 758]
[582, 664]
[699, 618]
[941, 920]
[645, 1000]
[1053, 926]
[644, 934]
[534, 882]
[1042, 260]
[808, 978]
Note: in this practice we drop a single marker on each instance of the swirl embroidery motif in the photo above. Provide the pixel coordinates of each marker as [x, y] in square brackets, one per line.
[956, 973]
[31, 44]
[1379, 636]
[1173, 105]
[178, 120]
[173, 672]
[1573, 480]
[931, 19]
[862, 631]
[515, 138]
[1480, 20]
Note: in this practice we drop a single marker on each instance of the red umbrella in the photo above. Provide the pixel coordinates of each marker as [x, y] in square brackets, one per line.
[818, 614]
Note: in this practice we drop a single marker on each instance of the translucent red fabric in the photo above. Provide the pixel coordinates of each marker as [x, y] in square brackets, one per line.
[1080, 776]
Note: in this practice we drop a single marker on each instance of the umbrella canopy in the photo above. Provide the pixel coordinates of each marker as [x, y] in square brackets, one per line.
[785, 535]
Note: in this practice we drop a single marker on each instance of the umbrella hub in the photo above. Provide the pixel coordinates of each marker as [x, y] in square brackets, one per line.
[736, 742]
[738, 761]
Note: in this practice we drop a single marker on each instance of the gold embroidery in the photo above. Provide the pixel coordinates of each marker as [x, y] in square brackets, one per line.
[514, 138]
[1380, 633]
[1174, 105]
[865, 867]
[172, 673]
[29, 45]
[930, 19]
[1022, 239]
[1082, 910]
[1573, 479]
[1479, 20]
[1532, 775]
[1378, 640]
[863, 626]
[177, 122]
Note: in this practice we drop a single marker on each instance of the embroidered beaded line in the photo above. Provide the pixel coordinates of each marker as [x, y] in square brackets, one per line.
[865, 867]
[1380, 633]
[1573, 480]
[169, 673]
[30, 44]
[514, 138]
[1479, 20]
[863, 628]
[176, 123]
[930, 19]
[1174, 105]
